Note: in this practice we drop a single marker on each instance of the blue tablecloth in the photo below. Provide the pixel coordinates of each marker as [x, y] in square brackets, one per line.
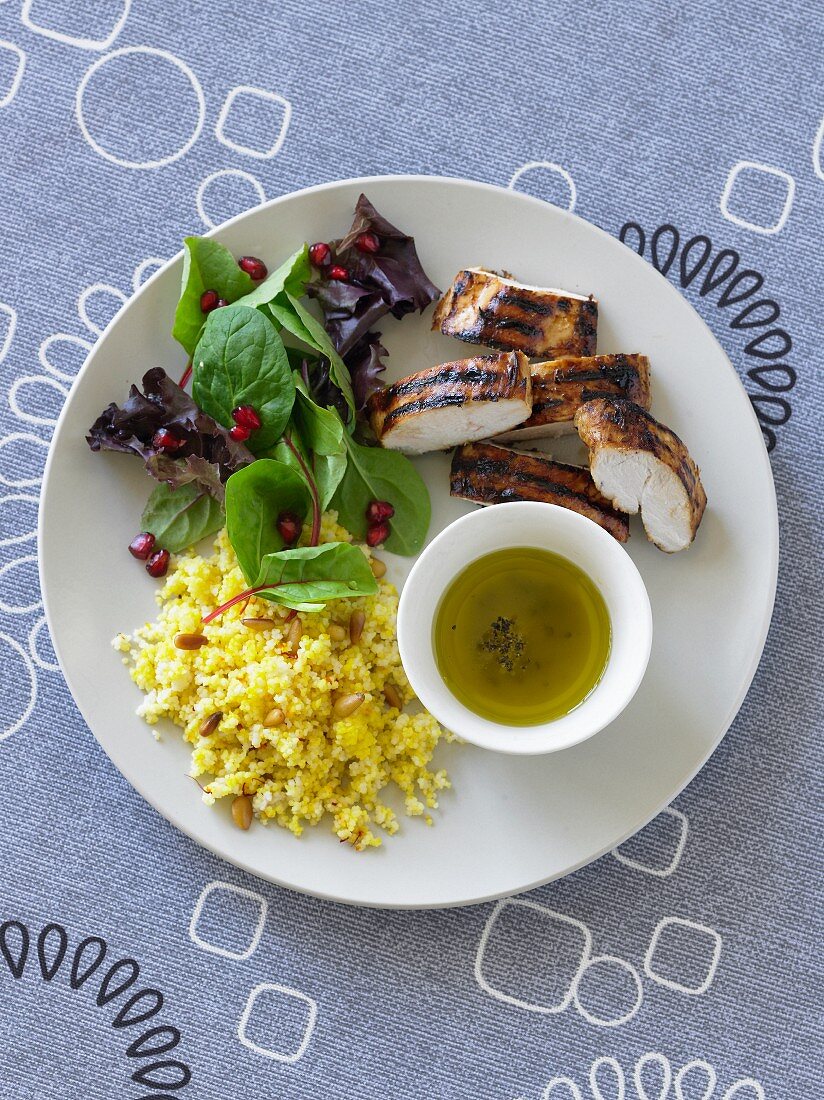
[132, 963]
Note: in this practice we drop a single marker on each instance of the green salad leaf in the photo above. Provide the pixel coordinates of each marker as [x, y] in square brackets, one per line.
[292, 276]
[296, 319]
[241, 360]
[180, 517]
[373, 473]
[306, 577]
[207, 265]
[255, 497]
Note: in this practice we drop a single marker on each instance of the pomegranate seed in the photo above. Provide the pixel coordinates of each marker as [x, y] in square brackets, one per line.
[239, 433]
[209, 300]
[254, 268]
[142, 545]
[164, 440]
[221, 302]
[378, 511]
[320, 254]
[158, 563]
[338, 273]
[247, 417]
[368, 242]
[289, 527]
[377, 533]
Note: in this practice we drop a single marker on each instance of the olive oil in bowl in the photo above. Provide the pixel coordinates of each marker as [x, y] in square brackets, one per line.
[522, 636]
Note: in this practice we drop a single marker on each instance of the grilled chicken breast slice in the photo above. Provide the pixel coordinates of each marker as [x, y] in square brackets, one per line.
[561, 386]
[486, 473]
[484, 308]
[453, 403]
[642, 466]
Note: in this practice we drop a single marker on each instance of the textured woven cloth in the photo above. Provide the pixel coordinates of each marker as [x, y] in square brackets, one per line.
[135, 964]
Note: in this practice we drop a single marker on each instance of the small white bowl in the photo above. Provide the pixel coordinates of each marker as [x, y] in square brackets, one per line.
[548, 527]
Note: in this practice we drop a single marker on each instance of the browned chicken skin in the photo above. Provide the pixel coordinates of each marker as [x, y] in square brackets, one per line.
[642, 466]
[484, 308]
[452, 403]
[561, 386]
[488, 474]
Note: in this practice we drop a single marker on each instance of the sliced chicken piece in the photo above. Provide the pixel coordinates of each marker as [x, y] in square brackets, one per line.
[488, 474]
[484, 308]
[453, 403]
[561, 386]
[642, 466]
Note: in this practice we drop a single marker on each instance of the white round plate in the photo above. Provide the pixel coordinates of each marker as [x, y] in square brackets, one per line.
[509, 823]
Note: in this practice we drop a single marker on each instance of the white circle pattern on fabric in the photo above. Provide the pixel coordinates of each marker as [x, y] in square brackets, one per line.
[690, 1070]
[27, 382]
[226, 173]
[6, 572]
[561, 1088]
[534, 170]
[55, 341]
[82, 41]
[145, 269]
[617, 1073]
[39, 628]
[17, 438]
[10, 724]
[99, 290]
[652, 1059]
[622, 1018]
[150, 162]
[12, 498]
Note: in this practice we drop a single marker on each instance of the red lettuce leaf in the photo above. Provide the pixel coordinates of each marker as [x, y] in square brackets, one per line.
[365, 367]
[207, 455]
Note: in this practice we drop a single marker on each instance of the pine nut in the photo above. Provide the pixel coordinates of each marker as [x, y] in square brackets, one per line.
[294, 634]
[337, 632]
[190, 641]
[210, 724]
[393, 696]
[274, 718]
[378, 568]
[345, 705]
[357, 621]
[242, 811]
[258, 624]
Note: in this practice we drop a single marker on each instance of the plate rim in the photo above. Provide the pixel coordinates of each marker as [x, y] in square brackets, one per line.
[771, 509]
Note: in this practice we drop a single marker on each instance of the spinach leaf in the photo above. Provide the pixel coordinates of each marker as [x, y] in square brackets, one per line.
[241, 360]
[181, 517]
[321, 428]
[293, 275]
[306, 577]
[297, 319]
[255, 497]
[373, 473]
[207, 265]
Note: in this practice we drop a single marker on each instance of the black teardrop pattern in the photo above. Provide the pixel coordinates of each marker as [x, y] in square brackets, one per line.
[52, 944]
[697, 265]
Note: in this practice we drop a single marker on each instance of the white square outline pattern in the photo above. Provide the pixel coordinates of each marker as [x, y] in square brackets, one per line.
[70, 39]
[259, 93]
[223, 951]
[16, 80]
[672, 866]
[670, 983]
[307, 1035]
[767, 230]
[544, 911]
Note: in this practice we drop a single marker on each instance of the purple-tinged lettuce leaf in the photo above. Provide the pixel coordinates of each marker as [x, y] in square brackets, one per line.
[208, 454]
[365, 367]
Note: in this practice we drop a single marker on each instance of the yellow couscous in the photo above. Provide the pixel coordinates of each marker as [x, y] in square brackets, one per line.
[279, 738]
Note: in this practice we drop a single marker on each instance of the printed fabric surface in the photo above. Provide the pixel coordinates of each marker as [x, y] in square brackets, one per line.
[685, 964]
